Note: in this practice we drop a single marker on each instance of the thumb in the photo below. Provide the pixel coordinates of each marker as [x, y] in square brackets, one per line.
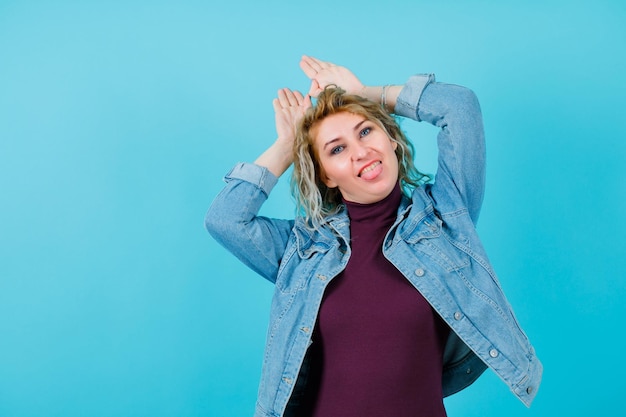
[307, 102]
[315, 88]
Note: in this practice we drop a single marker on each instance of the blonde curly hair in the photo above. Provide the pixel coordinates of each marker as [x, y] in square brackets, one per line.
[314, 200]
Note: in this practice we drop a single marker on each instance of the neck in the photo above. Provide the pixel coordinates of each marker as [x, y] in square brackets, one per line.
[381, 211]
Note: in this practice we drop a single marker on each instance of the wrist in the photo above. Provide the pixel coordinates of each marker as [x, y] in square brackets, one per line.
[278, 157]
[371, 93]
[385, 95]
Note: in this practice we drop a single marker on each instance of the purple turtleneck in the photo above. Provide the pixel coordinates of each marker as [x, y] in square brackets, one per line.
[378, 344]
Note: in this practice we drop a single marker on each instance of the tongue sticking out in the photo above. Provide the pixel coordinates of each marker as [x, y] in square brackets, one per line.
[371, 171]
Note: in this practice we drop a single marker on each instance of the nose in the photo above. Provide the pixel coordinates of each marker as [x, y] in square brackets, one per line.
[359, 151]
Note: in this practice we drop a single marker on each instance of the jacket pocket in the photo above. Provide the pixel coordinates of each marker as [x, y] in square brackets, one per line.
[431, 239]
[299, 264]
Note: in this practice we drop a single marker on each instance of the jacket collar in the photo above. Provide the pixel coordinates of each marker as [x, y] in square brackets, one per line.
[337, 226]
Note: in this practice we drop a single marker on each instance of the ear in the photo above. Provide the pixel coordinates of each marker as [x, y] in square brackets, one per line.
[394, 144]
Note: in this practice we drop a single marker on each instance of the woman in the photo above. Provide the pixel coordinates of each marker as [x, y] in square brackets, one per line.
[385, 301]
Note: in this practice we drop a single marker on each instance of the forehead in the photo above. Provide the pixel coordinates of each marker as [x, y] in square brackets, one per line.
[336, 125]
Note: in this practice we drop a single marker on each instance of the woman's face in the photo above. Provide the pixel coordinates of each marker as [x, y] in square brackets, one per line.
[357, 156]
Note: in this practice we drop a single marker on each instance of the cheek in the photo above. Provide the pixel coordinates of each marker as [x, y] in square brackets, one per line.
[336, 166]
[334, 171]
[326, 169]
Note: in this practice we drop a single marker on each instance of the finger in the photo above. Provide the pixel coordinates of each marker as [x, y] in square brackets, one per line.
[280, 98]
[276, 105]
[283, 98]
[314, 89]
[307, 102]
[287, 98]
[298, 97]
[321, 64]
[308, 69]
[316, 64]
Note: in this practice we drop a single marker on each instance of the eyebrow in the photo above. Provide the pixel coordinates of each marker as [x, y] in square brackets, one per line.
[356, 127]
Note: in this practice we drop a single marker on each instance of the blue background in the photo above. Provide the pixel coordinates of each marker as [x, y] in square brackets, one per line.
[119, 118]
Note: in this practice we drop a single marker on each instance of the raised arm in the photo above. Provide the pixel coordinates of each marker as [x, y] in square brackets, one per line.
[233, 218]
[460, 179]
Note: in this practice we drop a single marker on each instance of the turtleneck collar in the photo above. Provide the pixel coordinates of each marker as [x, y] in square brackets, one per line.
[384, 210]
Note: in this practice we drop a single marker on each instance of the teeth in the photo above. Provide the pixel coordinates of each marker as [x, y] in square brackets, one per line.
[370, 167]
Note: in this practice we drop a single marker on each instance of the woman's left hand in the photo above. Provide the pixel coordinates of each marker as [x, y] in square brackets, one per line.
[323, 73]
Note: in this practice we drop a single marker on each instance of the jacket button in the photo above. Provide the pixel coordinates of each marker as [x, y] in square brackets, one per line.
[321, 277]
[419, 272]
[458, 316]
[493, 353]
[529, 390]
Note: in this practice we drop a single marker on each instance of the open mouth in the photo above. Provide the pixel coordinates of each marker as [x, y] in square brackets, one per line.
[369, 168]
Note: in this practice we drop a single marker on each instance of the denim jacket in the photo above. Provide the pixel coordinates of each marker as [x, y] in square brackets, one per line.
[433, 243]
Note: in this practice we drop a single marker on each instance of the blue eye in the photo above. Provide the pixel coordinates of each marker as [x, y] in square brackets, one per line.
[336, 150]
[366, 131]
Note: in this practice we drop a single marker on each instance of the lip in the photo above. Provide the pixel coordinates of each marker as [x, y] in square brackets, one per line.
[369, 165]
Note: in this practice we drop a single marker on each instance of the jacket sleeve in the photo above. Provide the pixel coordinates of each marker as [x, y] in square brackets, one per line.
[460, 178]
[233, 220]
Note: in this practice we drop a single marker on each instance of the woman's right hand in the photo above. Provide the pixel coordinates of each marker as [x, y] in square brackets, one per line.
[323, 74]
[289, 108]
